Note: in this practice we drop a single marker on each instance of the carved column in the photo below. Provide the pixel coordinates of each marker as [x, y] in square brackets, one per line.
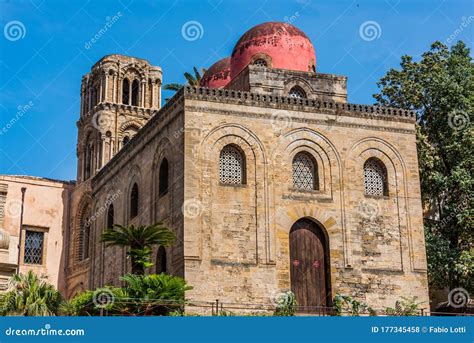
[142, 92]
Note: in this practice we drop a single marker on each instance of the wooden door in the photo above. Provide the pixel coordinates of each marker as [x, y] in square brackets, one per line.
[308, 265]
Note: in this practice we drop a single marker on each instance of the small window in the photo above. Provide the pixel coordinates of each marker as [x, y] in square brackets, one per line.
[134, 201]
[305, 172]
[161, 260]
[375, 177]
[135, 88]
[297, 92]
[260, 62]
[110, 216]
[232, 166]
[125, 91]
[126, 139]
[33, 253]
[163, 178]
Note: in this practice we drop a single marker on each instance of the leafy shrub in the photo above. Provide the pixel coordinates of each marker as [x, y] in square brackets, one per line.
[346, 304]
[143, 295]
[404, 307]
[30, 295]
[286, 304]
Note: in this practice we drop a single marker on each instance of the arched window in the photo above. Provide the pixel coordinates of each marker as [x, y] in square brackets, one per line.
[88, 159]
[305, 172]
[260, 62]
[125, 92]
[134, 201]
[83, 236]
[110, 216]
[125, 140]
[232, 165]
[163, 178]
[161, 260]
[297, 92]
[375, 177]
[135, 88]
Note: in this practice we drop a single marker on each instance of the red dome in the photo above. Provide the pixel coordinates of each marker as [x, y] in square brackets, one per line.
[278, 45]
[218, 75]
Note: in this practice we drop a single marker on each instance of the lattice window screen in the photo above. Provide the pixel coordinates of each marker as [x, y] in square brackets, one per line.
[34, 247]
[304, 172]
[260, 62]
[375, 178]
[231, 166]
[297, 92]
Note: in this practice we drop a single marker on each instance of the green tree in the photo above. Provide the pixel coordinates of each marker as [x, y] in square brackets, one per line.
[139, 242]
[440, 88]
[193, 80]
[30, 295]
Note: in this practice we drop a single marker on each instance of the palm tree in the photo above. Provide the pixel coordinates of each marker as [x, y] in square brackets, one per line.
[30, 295]
[193, 80]
[139, 242]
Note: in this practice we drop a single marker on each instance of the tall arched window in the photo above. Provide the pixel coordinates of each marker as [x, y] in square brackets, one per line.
[232, 165]
[305, 172]
[135, 88]
[110, 216]
[163, 178]
[125, 92]
[88, 159]
[375, 177]
[297, 92]
[161, 260]
[83, 236]
[134, 201]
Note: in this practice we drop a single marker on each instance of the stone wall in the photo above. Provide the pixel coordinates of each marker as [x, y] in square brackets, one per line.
[237, 247]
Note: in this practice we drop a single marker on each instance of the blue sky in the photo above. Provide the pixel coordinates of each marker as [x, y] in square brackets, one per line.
[43, 54]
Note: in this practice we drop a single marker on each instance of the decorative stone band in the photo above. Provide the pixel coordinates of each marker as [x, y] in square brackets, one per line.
[124, 109]
[264, 100]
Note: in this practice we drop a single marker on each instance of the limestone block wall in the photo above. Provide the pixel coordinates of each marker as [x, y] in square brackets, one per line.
[139, 162]
[236, 246]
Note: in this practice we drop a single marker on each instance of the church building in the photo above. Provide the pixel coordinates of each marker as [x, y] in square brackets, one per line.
[270, 179]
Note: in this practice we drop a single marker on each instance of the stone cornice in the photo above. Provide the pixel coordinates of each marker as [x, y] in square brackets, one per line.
[298, 104]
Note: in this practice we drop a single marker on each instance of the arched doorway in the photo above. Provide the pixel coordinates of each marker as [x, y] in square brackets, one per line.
[309, 266]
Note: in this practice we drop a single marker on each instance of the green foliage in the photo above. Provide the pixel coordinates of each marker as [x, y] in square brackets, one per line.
[143, 295]
[344, 304]
[405, 307]
[30, 295]
[139, 242]
[155, 294]
[440, 88]
[286, 304]
[192, 80]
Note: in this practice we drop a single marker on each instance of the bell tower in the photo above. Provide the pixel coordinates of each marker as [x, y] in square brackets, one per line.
[118, 96]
